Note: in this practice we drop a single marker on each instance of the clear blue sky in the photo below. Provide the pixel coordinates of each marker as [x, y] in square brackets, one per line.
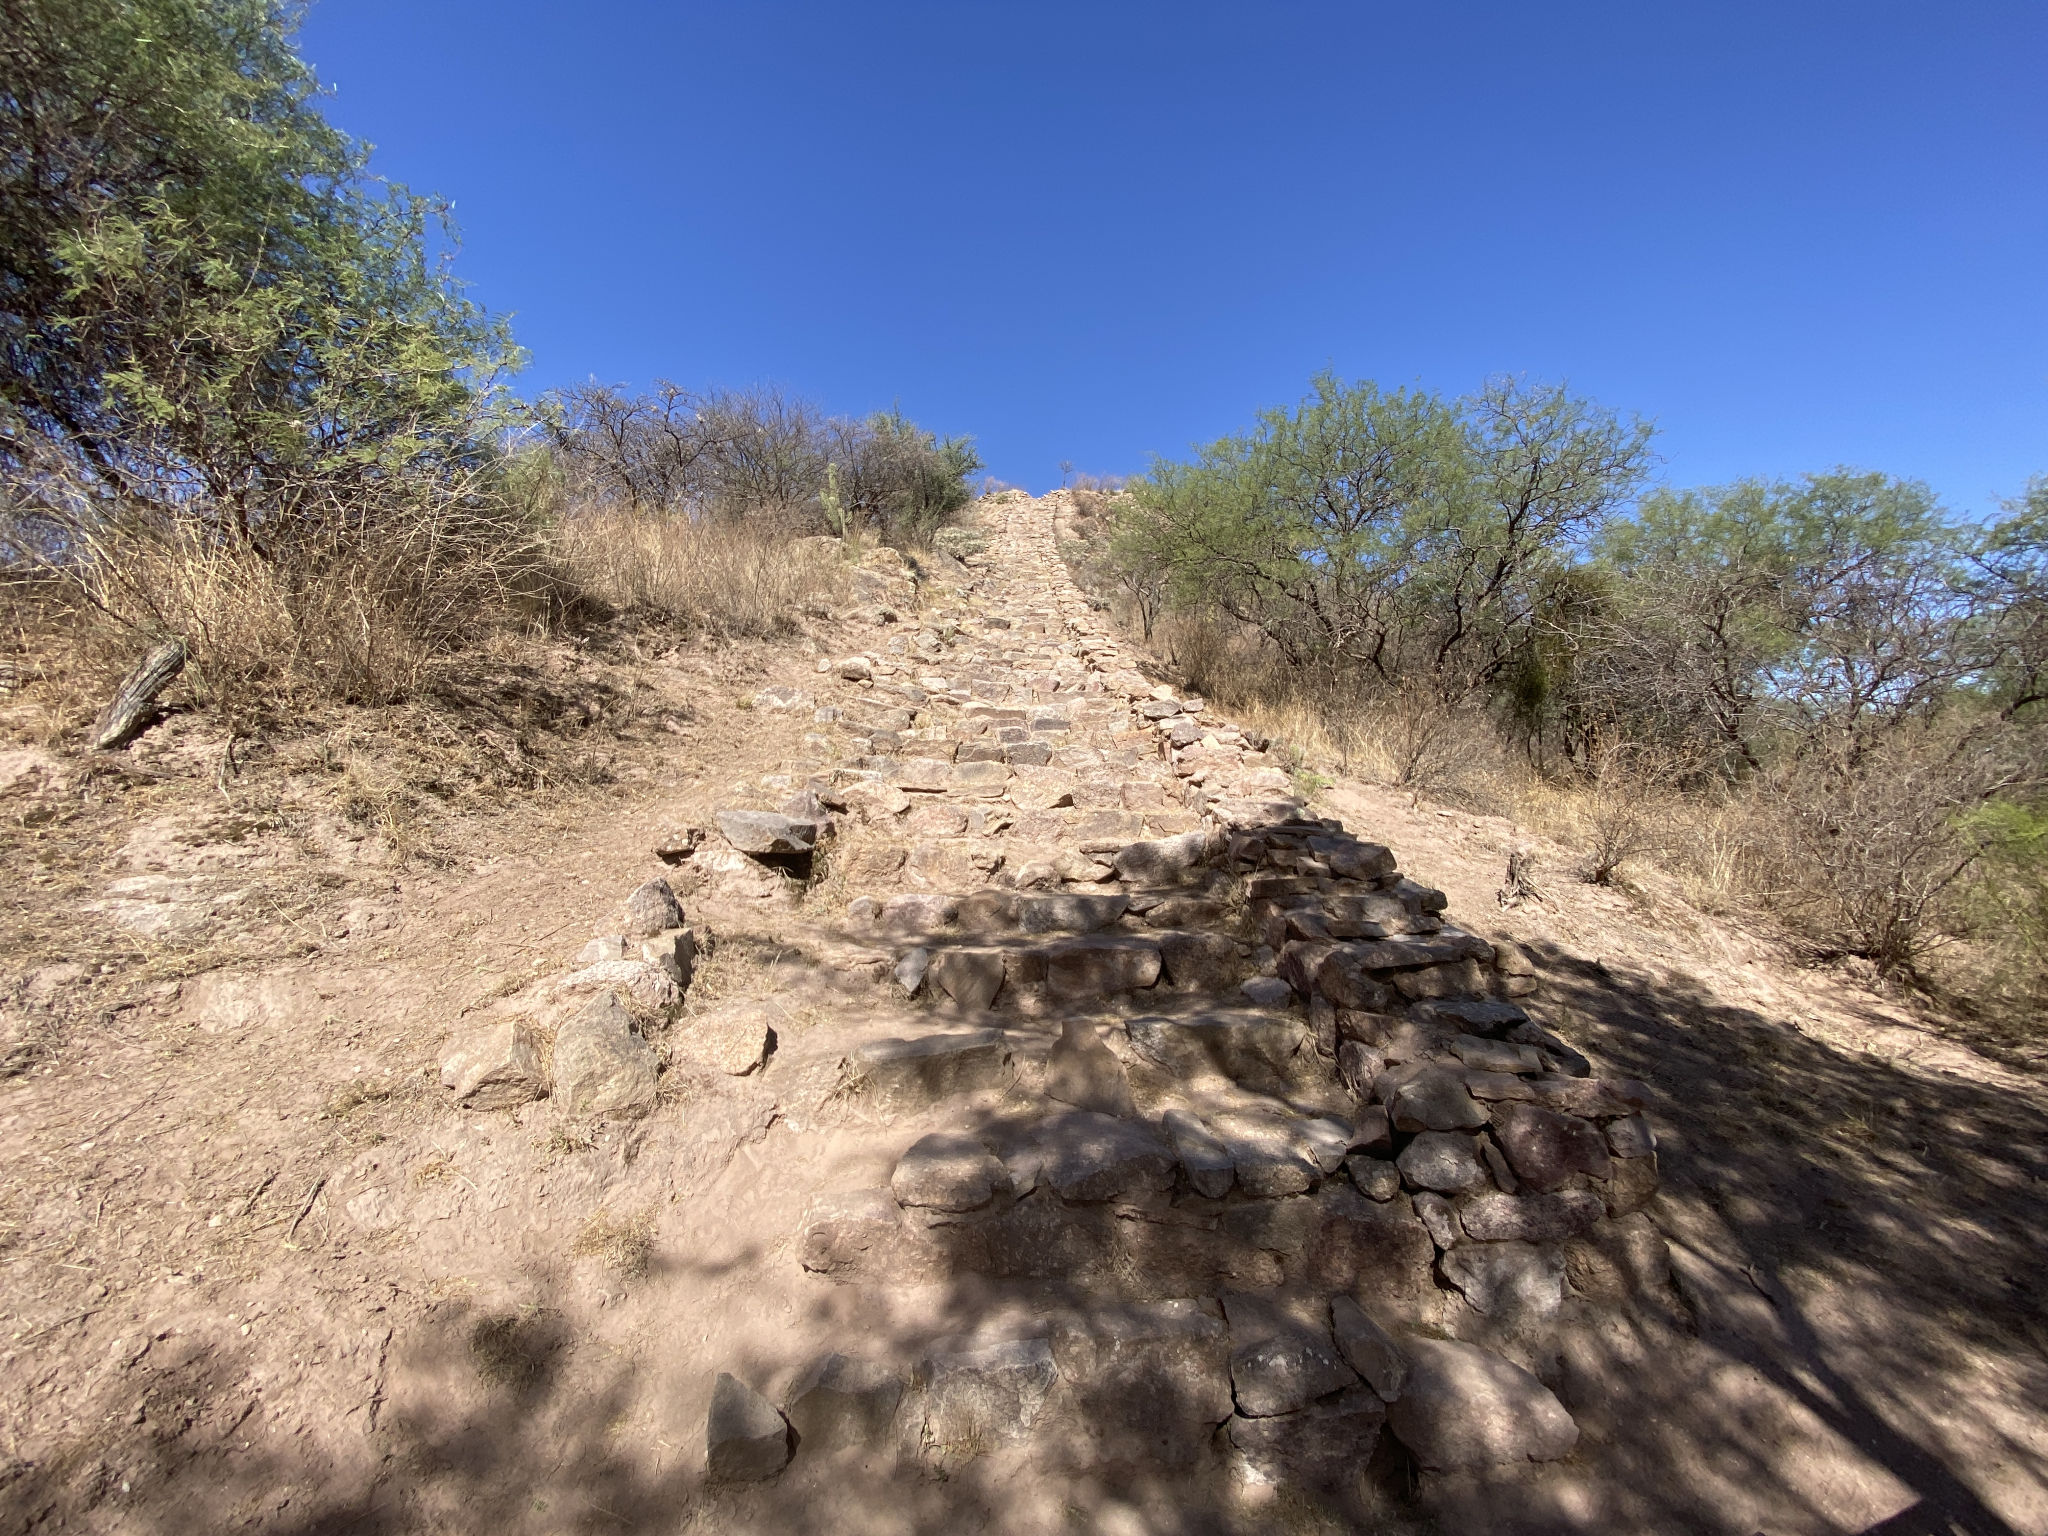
[1792, 234]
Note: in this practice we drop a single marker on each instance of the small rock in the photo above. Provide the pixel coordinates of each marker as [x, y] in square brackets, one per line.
[911, 967]
[1464, 1406]
[841, 1403]
[1267, 992]
[1445, 1161]
[606, 946]
[746, 1440]
[1083, 1072]
[1634, 1182]
[649, 988]
[1376, 1180]
[1325, 1445]
[1327, 1141]
[1368, 1348]
[1435, 1099]
[674, 953]
[1204, 1159]
[917, 913]
[733, 1038]
[856, 669]
[1631, 1137]
[947, 1172]
[1371, 1130]
[652, 908]
[1167, 861]
[1440, 1217]
[495, 1067]
[970, 977]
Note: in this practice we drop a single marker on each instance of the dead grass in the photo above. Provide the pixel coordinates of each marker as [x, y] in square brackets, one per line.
[755, 578]
[624, 1244]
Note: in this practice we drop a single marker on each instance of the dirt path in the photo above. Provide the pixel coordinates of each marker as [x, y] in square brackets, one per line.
[260, 1273]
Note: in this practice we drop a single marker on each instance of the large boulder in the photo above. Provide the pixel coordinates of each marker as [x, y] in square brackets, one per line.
[601, 1066]
[1463, 1406]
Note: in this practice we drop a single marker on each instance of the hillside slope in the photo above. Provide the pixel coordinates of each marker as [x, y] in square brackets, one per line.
[1023, 1037]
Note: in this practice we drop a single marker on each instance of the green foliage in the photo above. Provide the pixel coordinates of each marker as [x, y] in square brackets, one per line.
[904, 481]
[1394, 534]
[209, 308]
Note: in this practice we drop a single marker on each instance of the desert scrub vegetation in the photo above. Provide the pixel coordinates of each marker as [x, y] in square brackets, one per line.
[1820, 700]
[246, 410]
[730, 456]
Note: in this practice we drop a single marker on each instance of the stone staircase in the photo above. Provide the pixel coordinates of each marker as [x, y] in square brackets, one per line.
[1250, 1149]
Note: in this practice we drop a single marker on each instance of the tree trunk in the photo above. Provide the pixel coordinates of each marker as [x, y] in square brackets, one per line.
[133, 706]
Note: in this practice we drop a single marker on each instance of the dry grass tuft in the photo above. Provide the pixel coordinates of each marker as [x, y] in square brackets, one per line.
[625, 1245]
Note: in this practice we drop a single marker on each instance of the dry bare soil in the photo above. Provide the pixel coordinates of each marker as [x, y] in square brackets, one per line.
[258, 1273]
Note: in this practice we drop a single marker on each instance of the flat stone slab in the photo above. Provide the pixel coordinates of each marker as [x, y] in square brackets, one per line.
[1524, 1281]
[1256, 1049]
[1545, 1148]
[732, 1038]
[1100, 966]
[1067, 912]
[947, 1172]
[1280, 1361]
[927, 1068]
[841, 1403]
[1142, 1383]
[1464, 1406]
[979, 1397]
[1532, 1218]
[1088, 1157]
[765, 834]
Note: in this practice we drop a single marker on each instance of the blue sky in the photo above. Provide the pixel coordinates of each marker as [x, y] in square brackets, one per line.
[1792, 234]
